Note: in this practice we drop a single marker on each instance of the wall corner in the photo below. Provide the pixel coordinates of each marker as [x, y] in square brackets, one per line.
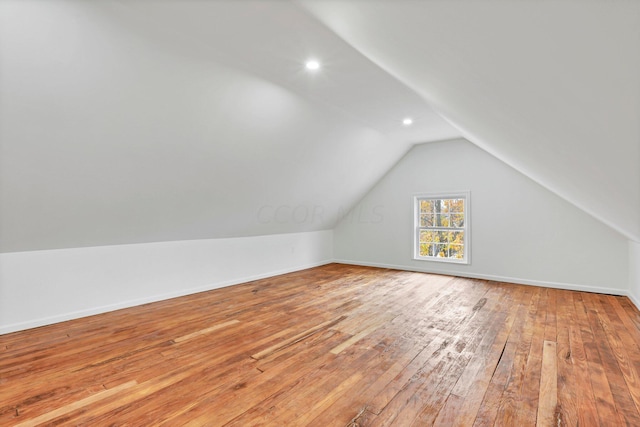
[634, 272]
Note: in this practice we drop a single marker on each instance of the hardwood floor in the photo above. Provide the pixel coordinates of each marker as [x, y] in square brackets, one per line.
[335, 345]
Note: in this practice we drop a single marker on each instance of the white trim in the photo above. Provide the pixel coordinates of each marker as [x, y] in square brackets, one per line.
[5, 329]
[516, 280]
[466, 195]
[132, 303]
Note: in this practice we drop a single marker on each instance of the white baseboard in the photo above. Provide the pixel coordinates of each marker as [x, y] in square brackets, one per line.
[33, 323]
[155, 298]
[555, 285]
[49, 286]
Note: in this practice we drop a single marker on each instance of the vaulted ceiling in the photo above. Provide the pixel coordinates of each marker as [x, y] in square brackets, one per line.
[140, 121]
[552, 88]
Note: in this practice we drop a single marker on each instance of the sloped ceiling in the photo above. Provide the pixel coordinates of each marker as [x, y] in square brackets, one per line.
[140, 121]
[550, 87]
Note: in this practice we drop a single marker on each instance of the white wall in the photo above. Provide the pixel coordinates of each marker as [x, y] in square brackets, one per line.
[520, 231]
[43, 287]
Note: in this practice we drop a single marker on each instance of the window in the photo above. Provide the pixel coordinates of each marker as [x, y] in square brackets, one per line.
[442, 227]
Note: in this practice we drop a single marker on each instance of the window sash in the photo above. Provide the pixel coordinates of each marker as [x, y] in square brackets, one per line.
[460, 211]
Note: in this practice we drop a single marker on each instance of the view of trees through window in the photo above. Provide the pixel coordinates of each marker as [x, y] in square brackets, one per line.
[441, 228]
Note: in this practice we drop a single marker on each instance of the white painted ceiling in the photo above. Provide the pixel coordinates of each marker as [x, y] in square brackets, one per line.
[126, 122]
[141, 121]
[550, 87]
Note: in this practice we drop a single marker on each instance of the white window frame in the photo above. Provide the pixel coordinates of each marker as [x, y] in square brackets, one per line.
[466, 195]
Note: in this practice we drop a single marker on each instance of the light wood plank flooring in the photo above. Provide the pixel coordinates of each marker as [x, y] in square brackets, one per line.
[335, 345]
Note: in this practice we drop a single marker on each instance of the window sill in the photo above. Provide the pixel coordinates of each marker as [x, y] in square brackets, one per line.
[444, 260]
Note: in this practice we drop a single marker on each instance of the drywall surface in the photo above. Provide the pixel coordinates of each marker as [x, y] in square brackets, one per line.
[520, 231]
[43, 287]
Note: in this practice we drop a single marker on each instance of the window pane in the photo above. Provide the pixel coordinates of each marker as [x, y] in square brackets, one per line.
[456, 205]
[427, 236]
[426, 249]
[426, 220]
[456, 251]
[457, 220]
[441, 220]
[453, 205]
[441, 250]
[426, 206]
[441, 236]
[456, 237]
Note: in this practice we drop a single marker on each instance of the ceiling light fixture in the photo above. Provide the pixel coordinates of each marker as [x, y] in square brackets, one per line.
[408, 121]
[312, 65]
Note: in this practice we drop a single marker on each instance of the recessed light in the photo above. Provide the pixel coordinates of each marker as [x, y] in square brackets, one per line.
[312, 65]
[407, 121]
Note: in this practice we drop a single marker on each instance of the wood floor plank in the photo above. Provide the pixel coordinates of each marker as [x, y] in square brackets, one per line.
[462, 352]
[623, 401]
[586, 407]
[550, 324]
[336, 345]
[361, 334]
[500, 379]
[317, 390]
[484, 365]
[567, 410]
[392, 358]
[604, 400]
[449, 412]
[632, 313]
[435, 337]
[515, 390]
[296, 338]
[205, 331]
[527, 408]
[398, 404]
[548, 399]
[622, 376]
[625, 324]
[624, 348]
[75, 405]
